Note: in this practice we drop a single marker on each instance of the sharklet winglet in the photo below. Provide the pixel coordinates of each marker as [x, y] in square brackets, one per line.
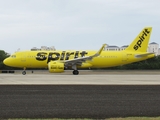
[100, 50]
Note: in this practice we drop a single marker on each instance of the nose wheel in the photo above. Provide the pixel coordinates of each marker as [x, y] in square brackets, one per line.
[24, 72]
[75, 72]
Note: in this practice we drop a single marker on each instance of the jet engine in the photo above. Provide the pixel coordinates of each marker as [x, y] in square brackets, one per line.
[55, 67]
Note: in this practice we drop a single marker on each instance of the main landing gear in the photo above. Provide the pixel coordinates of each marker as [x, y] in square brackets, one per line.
[75, 71]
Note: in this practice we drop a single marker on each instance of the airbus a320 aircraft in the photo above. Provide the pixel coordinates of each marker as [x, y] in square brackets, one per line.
[56, 61]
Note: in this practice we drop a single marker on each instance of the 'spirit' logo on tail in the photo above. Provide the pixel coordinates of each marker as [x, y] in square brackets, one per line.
[141, 39]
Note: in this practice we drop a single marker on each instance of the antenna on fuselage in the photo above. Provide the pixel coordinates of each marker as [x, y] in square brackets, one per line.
[18, 49]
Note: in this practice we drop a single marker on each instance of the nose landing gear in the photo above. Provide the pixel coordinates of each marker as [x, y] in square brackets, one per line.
[24, 71]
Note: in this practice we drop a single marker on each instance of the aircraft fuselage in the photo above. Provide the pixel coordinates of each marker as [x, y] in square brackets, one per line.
[40, 59]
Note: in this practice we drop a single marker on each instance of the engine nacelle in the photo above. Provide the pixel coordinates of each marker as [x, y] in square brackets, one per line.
[55, 67]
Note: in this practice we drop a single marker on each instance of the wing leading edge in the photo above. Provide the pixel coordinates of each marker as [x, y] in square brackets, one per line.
[83, 59]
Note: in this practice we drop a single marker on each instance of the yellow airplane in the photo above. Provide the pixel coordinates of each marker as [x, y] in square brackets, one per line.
[57, 61]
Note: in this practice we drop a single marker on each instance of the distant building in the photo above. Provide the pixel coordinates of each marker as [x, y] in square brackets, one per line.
[123, 47]
[159, 51]
[112, 48]
[52, 48]
[153, 48]
[34, 49]
[43, 48]
[115, 48]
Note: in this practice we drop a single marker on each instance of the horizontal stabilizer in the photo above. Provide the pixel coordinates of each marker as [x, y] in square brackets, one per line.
[144, 55]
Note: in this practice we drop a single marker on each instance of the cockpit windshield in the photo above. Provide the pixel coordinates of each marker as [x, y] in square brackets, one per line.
[13, 56]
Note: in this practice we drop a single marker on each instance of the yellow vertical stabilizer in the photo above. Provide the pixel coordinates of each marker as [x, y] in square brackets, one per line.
[140, 43]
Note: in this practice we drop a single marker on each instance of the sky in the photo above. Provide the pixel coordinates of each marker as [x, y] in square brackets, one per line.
[75, 24]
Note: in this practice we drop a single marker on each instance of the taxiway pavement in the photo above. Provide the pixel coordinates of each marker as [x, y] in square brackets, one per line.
[85, 78]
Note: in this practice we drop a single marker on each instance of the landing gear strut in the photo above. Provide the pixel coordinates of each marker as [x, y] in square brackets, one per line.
[75, 71]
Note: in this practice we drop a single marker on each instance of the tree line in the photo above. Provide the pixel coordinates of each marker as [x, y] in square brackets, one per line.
[149, 64]
[3, 55]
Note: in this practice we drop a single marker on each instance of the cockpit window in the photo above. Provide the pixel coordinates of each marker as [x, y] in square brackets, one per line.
[13, 56]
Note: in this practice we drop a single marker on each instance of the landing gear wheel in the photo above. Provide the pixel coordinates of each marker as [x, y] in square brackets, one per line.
[24, 72]
[75, 72]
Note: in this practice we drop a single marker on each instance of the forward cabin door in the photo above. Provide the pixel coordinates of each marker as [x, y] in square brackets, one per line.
[23, 57]
[24, 60]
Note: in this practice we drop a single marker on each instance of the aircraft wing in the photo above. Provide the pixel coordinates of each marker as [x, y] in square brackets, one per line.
[78, 61]
[143, 55]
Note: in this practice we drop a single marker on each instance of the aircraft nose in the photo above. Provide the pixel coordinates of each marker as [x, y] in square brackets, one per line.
[5, 61]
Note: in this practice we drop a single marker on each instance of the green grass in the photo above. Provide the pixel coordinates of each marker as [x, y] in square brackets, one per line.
[135, 118]
[126, 118]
